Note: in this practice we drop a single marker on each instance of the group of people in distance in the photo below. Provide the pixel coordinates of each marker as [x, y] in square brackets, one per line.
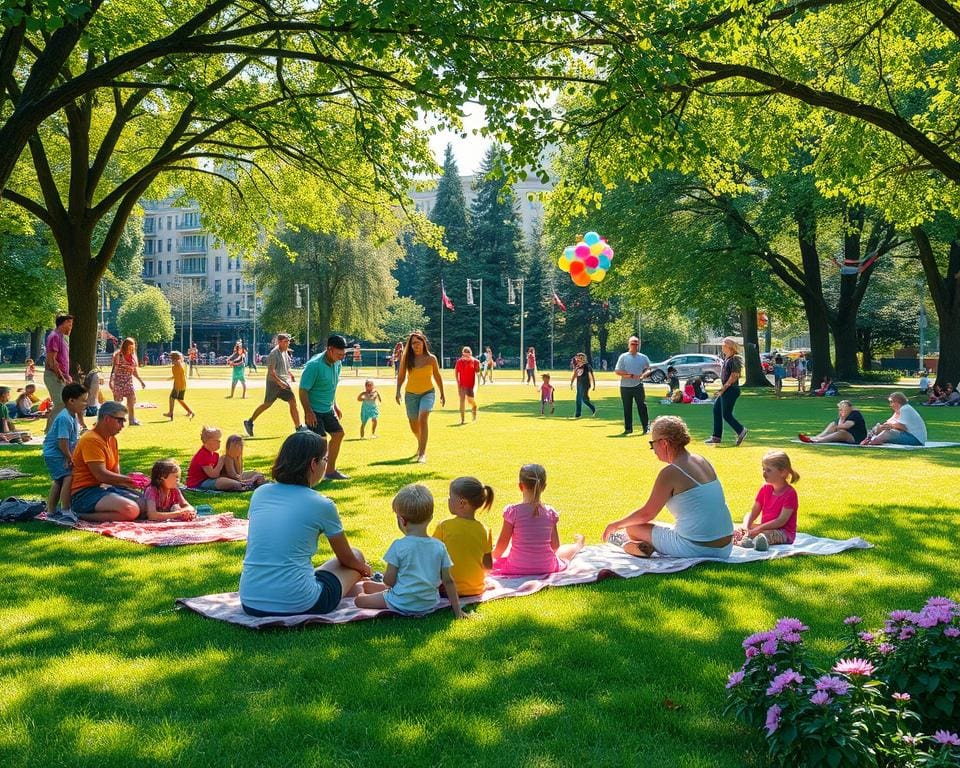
[904, 427]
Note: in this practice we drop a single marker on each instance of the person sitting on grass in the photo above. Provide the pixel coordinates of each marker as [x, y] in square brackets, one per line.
[233, 464]
[162, 498]
[468, 541]
[8, 433]
[776, 504]
[950, 396]
[27, 405]
[904, 427]
[934, 394]
[688, 487]
[286, 519]
[58, 446]
[848, 428]
[100, 492]
[205, 472]
[416, 564]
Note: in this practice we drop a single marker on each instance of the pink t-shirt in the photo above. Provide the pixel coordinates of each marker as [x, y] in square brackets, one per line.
[58, 350]
[531, 360]
[772, 505]
[530, 551]
[164, 499]
[202, 458]
[546, 392]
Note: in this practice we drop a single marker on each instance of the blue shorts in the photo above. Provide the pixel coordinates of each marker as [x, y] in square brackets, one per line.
[57, 466]
[417, 404]
[84, 501]
[331, 592]
[903, 438]
[210, 484]
[668, 542]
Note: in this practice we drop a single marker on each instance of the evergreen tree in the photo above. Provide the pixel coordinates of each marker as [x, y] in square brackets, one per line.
[540, 283]
[495, 247]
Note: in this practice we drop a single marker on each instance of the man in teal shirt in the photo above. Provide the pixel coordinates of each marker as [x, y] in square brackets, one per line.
[318, 396]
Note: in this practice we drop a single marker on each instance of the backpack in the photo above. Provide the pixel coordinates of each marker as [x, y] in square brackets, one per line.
[14, 510]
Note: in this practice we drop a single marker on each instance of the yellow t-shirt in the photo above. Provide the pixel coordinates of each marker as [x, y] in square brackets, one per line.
[467, 541]
[179, 376]
[92, 447]
[420, 380]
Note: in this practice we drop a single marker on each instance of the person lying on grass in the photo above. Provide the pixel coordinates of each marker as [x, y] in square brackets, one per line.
[205, 472]
[688, 487]
[286, 519]
[162, 498]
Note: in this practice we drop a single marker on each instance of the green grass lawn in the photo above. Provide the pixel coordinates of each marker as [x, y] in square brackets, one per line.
[98, 669]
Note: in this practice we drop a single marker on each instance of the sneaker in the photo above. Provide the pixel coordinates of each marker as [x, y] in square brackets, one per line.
[68, 516]
[746, 542]
[618, 539]
[336, 476]
[377, 577]
[626, 432]
[712, 441]
[422, 459]
[248, 427]
[741, 436]
[805, 438]
[761, 543]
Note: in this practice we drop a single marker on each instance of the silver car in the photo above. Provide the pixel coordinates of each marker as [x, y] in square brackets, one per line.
[693, 364]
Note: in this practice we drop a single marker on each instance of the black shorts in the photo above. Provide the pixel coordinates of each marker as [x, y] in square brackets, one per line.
[327, 424]
[330, 596]
[467, 391]
[276, 393]
[177, 394]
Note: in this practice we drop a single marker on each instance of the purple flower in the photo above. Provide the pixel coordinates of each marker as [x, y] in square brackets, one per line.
[854, 667]
[906, 633]
[773, 719]
[852, 620]
[867, 637]
[791, 637]
[751, 652]
[901, 697]
[769, 648]
[821, 698]
[787, 624]
[898, 616]
[757, 638]
[932, 615]
[951, 632]
[941, 737]
[783, 681]
[941, 602]
[886, 648]
[735, 678]
[831, 684]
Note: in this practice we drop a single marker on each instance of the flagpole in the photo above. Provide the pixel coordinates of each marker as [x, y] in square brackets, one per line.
[553, 309]
[442, 307]
[481, 314]
[522, 361]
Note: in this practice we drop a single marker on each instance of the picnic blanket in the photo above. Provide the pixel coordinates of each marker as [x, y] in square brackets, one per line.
[169, 533]
[591, 564]
[9, 473]
[35, 440]
[928, 444]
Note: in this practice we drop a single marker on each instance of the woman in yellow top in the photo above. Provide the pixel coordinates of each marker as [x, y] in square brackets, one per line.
[419, 368]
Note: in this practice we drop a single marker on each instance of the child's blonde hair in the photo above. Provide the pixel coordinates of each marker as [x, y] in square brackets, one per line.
[780, 460]
[207, 432]
[233, 440]
[533, 477]
[476, 494]
[414, 503]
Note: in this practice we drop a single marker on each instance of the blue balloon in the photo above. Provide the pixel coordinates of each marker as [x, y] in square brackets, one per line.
[591, 238]
[570, 252]
[604, 262]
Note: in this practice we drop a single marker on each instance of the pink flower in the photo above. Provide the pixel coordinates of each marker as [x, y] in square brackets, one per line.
[867, 637]
[951, 632]
[787, 624]
[852, 620]
[886, 648]
[757, 638]
[835, 685]
[821, 698]
[901, 697]
[941, 737]
[854, 667]
[898, 616]
[735, 678]
[773, 719]
[791, 637]
[751, 652]
[783, 681]
[769, 648]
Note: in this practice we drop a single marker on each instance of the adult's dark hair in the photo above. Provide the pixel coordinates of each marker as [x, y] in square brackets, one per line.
[72, 391]
[292, 465]
[61, 319]
[408, 356]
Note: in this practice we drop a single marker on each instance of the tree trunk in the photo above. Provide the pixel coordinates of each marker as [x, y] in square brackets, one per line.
[755, 376]
[845, 341]
[865, 338]
[945, 292]
[36, 342]
[819, 327]
[82, 301]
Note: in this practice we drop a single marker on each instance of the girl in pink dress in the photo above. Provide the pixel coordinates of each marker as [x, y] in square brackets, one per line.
[123, 373]
[530, 531]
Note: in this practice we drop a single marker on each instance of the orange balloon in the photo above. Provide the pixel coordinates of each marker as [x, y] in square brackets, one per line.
[582, 279]
[577, 267]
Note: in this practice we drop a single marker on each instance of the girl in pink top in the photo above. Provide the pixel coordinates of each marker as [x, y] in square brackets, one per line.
[162, 497]
[776, 503]
[530, 531]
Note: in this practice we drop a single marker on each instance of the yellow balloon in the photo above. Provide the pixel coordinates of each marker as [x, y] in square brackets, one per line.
[598, 275]
[564, 263]
[597, 248]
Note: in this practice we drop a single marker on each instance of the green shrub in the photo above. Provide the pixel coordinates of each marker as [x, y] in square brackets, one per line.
[882, 377]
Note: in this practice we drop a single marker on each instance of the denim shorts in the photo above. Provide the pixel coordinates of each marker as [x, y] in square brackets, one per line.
[331, 592]
[84, 501]
[903, 438]
[210, 484]
[668, 542]
[57, 466]
[417, 404]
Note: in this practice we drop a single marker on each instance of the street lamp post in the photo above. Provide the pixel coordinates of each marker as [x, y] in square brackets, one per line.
[299, 287]
[471, 284]
[513, 285]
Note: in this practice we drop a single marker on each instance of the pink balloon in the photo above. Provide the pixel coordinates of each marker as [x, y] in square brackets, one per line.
[591, 261]
[608, 252]
[582, 250]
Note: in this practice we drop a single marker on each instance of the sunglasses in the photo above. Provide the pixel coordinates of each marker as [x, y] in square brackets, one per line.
[119, 419]
[654, 442]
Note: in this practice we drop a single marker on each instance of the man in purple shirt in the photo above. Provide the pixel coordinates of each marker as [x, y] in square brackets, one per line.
[56, 372]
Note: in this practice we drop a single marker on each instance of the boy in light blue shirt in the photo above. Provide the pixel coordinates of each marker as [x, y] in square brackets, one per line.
[416, 564]
[58, 445]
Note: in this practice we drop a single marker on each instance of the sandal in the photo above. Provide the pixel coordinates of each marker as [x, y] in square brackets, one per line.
[638, 548]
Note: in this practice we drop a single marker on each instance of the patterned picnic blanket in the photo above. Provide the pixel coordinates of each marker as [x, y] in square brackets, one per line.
[173, 533]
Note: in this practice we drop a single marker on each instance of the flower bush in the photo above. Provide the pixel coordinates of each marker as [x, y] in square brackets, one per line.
[892, 698]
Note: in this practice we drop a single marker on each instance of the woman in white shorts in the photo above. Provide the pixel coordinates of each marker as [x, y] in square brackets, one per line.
[688, 487]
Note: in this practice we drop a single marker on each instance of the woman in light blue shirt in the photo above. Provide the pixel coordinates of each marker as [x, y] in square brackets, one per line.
[286, 520]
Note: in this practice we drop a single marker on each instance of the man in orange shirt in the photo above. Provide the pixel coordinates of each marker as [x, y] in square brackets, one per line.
[100, 493]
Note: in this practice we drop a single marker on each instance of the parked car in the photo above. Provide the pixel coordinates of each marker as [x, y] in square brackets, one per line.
[707, 366]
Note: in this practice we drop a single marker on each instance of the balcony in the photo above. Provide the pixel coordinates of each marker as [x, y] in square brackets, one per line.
[192, 244]
[190, 222]
[193, 267]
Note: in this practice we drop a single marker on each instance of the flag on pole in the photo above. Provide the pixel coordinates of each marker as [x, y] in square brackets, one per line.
[557, 302]
[446, 299]
[511, 295]
[469, 292]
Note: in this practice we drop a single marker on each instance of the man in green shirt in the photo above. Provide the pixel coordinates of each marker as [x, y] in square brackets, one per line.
[318, 396]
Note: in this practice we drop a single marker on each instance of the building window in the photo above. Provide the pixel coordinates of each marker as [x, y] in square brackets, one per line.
[216, 286]
[193, 243]
[159, 246]
[169, 267]
[228, 309]
[216, 263]
[236, 285]
[229, 287]
[169, 244]
[203, 284]
[159, 223]
[236, 309]
[159, 267]
[169, 222]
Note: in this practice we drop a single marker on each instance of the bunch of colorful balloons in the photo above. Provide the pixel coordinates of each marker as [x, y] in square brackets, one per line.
[587, 261]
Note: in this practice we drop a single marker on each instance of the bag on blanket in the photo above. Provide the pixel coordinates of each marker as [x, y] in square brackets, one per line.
[14, 510]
